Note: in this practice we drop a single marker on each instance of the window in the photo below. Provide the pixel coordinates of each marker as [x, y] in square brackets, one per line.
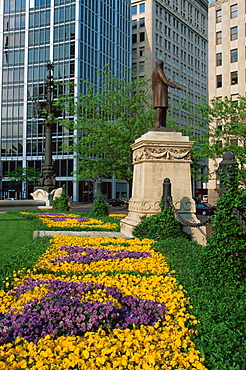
[142, 22]
[219, 81]
[218, 37]
[141, 52]
[134, 24]
[219, 16]
[134, 38]
[234, 78]
[134, 9]
[233, 33]
[218, 59]
[141, 36]
[234, 11]
[142, 8]
[141, 66]
[234, 55]
[134, 53]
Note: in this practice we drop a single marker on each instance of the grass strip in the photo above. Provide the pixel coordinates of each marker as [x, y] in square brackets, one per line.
[25, 257]
[15, 231]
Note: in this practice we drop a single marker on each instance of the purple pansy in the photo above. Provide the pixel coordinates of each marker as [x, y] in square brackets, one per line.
[61, 217]
[63, 312]
[96, 254]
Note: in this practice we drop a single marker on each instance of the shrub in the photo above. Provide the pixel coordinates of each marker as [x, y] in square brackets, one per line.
[61, 204]
[100, 207]
[226, 250]
[162, 225]
[219, 307]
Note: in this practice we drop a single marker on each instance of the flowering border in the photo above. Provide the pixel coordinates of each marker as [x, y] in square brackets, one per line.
[165, 343]
[72, 221]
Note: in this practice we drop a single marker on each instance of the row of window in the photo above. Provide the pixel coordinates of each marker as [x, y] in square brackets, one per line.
[194, 15]
[136, 9]
[233, 35]
[41, 18]
[11, 148]
[138, 52]
[14, 5]
[135, 37]
[233, 57]
[175, 35]
[183, 42]
[138, 67]
[234, 79]
[140, 23]
[194, 73]
[233, 13]
[14, 22]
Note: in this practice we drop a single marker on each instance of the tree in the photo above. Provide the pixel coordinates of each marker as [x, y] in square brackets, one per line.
[228, 131]
[225, 123]
[26, 175]
[108, 121]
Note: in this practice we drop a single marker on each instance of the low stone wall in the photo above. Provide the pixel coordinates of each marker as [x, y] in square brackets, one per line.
[7, 205]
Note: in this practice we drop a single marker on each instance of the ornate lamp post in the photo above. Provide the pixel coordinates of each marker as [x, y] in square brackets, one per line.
[49, 112]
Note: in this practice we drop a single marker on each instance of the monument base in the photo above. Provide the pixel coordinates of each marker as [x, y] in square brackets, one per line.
[157, 155]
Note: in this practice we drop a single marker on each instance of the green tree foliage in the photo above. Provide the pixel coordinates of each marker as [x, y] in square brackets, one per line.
[108, 121]
[229, 132]
[100, 207]
[28, 174]
[224, 120]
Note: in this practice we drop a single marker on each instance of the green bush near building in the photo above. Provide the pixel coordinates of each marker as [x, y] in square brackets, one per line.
[214, 278]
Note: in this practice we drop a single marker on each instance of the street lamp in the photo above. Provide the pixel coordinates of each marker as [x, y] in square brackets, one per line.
[49, 112]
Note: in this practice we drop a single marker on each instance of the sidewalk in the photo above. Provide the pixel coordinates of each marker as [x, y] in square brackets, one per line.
[109, 234]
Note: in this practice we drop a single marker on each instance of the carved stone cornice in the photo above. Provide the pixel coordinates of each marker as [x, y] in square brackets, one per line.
[217, 4]
[154, 153]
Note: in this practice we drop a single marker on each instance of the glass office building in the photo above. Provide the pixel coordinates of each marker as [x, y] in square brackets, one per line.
[79, 37]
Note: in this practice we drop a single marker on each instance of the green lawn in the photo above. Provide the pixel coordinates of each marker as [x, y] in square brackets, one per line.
[15, 232]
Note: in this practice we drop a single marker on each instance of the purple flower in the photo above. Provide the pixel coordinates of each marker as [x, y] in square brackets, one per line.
[64, 312]
[95, 254]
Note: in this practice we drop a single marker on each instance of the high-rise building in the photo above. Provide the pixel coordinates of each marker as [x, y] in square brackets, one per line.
[226, 56]
[79, 37]
[176, 32]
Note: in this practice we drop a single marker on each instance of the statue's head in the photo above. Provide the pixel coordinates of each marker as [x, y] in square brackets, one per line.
[159, 63]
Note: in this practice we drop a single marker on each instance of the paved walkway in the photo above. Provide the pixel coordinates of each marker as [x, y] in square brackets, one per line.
[109, 234]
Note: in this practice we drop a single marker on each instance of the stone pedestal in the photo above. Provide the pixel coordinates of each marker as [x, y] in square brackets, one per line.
[158, 155]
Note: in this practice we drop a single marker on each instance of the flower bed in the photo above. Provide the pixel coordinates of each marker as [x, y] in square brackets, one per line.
[69, 313]
[70, 221]
[117, 215]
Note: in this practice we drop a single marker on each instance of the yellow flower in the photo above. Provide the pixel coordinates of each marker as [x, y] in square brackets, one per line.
[167, 345]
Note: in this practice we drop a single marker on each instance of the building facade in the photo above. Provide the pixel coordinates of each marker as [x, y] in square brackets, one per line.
[176, 32]
[227, 55]
[79, 37]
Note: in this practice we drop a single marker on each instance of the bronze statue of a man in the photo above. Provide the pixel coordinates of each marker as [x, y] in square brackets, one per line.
[160, 85]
